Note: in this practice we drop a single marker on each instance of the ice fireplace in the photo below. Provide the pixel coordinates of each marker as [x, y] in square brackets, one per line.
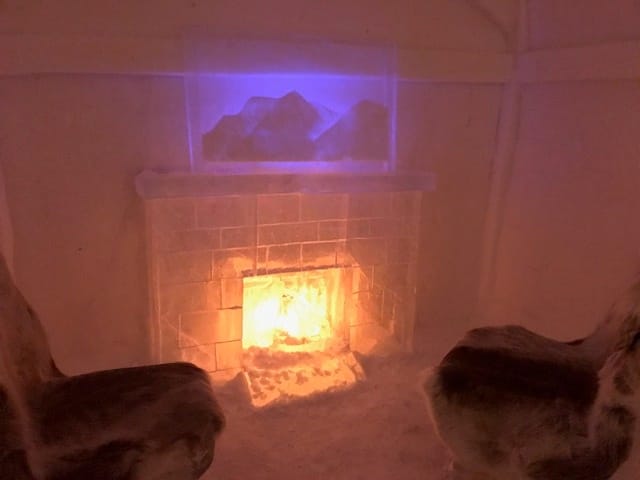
[305, 267]
[295, 244]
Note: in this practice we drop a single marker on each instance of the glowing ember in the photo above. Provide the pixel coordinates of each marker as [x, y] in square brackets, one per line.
[274, 378]
[293, 336]
[286, 311]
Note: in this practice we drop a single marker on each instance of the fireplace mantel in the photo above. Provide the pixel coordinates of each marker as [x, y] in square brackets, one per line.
[150, 185]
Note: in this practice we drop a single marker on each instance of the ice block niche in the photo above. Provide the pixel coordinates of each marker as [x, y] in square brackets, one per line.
[273, 107]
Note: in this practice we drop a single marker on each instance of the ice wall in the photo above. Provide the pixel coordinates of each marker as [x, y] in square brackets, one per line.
[72, 143]
[568, 243]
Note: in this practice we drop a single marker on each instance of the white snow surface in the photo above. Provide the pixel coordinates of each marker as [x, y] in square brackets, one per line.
[377, 430]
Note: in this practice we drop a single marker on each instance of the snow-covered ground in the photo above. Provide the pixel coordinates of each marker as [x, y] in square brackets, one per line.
[377, 430]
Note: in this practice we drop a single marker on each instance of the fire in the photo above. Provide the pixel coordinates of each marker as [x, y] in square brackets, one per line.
[281, 311]
[297, 321]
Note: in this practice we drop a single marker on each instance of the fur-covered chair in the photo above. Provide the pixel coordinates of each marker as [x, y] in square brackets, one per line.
[147, 423]
[510, 404]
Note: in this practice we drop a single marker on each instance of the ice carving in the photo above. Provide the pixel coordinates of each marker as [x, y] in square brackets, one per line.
[361, 134]
[290, 128]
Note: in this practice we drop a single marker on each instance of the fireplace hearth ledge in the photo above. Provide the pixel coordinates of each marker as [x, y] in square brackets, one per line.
[151, 184]
[321, 372]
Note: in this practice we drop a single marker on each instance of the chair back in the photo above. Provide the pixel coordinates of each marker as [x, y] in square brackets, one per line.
[25, 358]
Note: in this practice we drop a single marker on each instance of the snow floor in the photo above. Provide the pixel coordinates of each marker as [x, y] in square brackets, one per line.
[377, 430]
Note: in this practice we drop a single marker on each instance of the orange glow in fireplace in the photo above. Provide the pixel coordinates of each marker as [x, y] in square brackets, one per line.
[295, 336]
[291, 311]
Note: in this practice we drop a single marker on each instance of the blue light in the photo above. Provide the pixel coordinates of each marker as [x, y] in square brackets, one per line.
[212, 96]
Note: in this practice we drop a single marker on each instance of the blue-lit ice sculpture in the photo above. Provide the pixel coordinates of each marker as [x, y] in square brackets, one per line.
[292, 129]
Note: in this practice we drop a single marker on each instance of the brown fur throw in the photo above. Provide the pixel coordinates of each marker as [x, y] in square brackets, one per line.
[512, 405]
[143, 423]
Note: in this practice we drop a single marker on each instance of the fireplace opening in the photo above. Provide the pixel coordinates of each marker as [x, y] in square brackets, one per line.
[292, 311]
[294, 337]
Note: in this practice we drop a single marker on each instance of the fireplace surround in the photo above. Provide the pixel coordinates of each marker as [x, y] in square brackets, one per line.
[209, 235]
